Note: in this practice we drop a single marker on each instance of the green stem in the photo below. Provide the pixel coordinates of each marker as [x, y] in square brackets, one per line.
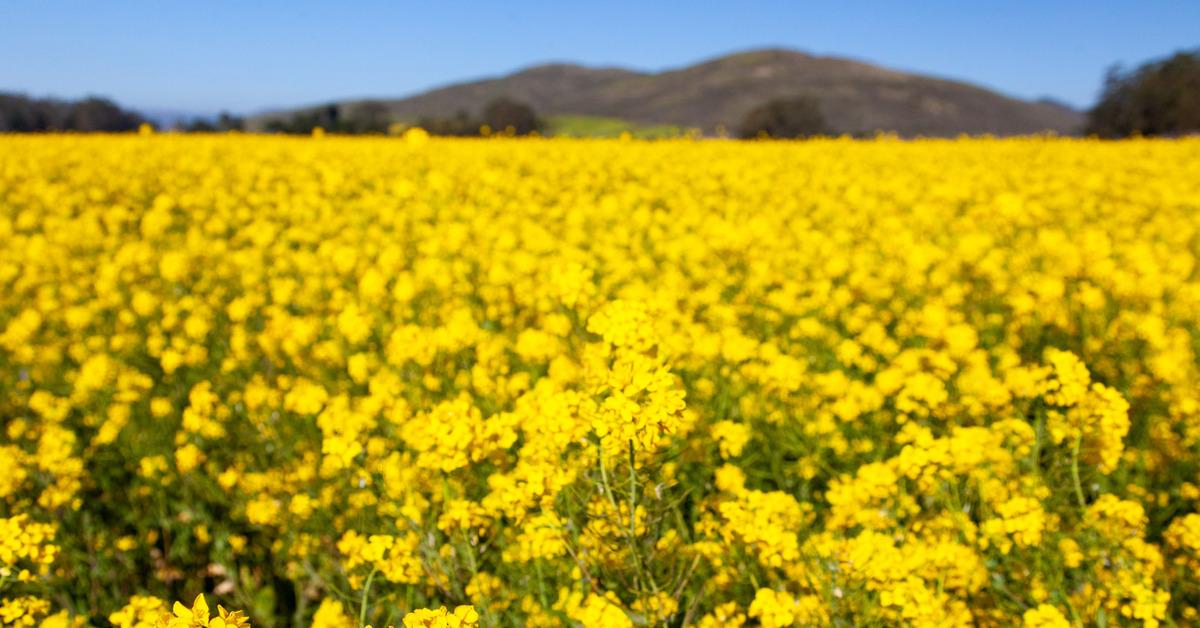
[1075, 470]
[301, 603]
[541, 582]
[1074, 613]
[362, 609]
[608, 488]
[628, 531]
[753, 579]
[633, 535]
[486, 615]
[1039, 431]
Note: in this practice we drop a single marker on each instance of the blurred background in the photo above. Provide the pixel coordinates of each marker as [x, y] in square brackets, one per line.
[652, 69]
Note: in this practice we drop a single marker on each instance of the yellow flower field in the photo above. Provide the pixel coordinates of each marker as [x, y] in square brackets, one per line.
[337, 381]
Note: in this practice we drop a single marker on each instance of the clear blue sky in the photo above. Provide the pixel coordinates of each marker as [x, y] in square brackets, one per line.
[250, 55]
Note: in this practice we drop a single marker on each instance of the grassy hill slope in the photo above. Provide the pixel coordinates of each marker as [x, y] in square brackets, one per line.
[854, 97]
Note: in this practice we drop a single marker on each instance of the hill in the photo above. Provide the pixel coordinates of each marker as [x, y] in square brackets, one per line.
[854, 97]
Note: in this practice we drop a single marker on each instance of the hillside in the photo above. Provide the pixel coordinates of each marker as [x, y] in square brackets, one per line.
[854, 97]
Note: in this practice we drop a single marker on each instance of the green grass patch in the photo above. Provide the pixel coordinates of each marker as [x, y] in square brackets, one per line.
[597, 126]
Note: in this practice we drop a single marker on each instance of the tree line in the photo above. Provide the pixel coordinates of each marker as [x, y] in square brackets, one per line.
[502, 115]
[22, 114]
[1160, 98]
[19, 113]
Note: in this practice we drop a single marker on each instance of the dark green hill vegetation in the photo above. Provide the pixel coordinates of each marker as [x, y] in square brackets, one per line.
[21, 114]
[784, 119]
[1161, 98]
[595, 126]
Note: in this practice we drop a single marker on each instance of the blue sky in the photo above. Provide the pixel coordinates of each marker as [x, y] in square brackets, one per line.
[252, 55]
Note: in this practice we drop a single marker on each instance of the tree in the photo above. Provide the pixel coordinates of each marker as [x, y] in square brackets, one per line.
[502, 113]
[368, 117]
[20, 113]
[784, 118]
[304, 122]
[228, 122]
[199, 125]
[1159, 98]
[224, 122]
[460, 125]
[99, 114]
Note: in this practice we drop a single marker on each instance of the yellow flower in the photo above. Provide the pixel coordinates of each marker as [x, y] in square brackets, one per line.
[462, 617]
[188, 458]
[331, 614]
[198, 617]
[140, 612]
[1045, 616]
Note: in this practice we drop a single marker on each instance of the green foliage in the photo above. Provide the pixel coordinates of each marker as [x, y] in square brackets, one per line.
[1159, 98]
[596, 126]
[460, 124]
[784, 118]
[23, 114]
[224, 122]
[369, 117]
[504, 114]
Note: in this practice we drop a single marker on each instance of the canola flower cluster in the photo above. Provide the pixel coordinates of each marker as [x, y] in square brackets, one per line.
[340, 381]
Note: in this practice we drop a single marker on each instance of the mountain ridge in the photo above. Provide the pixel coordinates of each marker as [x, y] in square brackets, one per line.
[855, 97]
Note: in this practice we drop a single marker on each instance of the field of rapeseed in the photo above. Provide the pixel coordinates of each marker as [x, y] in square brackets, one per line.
[333, 382]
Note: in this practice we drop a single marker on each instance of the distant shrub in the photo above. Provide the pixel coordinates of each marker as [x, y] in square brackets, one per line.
[224, 122]
[1159, 98]
[503, 113]
[374, 117]
[368, 117]
[303, 123]
[784, 118]
[498, 116]
[460, 125]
